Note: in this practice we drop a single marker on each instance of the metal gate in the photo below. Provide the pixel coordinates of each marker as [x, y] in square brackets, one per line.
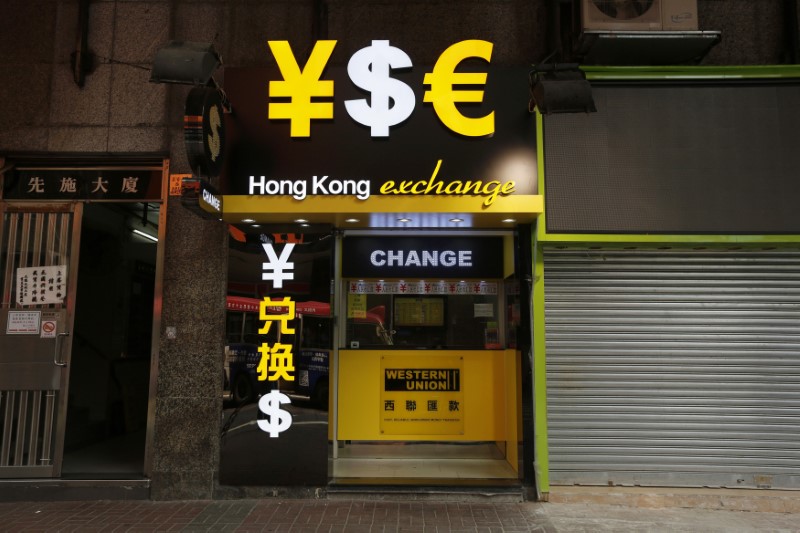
[676, 368]
[38, 272]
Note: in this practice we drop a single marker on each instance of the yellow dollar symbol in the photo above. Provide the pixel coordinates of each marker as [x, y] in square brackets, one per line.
[214, 139]
[444, 97]
[300, 86]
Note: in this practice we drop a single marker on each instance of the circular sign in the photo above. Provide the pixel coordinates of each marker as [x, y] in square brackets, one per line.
[48, 328]
[204, 131]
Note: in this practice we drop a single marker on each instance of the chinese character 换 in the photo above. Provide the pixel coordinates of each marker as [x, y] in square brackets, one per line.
[100, 185]
[68, 185]
[433, 405]
[287, 307]
[411, 405]
[453, 405]
[36, 184]
[276, 362]
[130, 184]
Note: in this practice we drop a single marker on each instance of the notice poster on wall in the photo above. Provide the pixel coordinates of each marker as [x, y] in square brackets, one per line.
[41, 285]
[422, 395]
[23, 322]
[356, 306]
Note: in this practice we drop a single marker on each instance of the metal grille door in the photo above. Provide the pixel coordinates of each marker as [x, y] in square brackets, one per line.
[677, 368]
[34, 328]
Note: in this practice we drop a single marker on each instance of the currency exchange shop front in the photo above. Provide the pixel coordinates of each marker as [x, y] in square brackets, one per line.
[379, 268]
[430, 391]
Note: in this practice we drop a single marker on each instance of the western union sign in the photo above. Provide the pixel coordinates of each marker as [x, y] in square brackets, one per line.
[422, 395]
[411, 379]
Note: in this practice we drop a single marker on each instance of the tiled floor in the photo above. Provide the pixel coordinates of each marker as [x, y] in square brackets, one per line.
[355, 516]
[273, 515]
[405, 460]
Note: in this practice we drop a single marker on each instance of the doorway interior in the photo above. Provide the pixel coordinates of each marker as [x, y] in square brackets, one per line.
[112, 338]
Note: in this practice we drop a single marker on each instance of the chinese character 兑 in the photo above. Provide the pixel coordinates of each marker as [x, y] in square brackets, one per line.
[286, 306]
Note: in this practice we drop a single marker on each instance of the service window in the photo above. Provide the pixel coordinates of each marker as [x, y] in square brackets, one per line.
[468, 317]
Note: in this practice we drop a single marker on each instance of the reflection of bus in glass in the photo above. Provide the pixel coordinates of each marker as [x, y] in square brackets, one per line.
[311, 348]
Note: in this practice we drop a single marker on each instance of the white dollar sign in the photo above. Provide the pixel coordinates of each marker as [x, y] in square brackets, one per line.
[279, 420]
[369, 69]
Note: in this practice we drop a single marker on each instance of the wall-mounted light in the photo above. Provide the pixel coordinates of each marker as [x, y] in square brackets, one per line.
[191, 63]
[186, 63]
[145, 235]
[560, 88]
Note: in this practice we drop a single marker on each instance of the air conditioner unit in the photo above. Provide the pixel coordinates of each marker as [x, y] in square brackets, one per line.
[639, 15]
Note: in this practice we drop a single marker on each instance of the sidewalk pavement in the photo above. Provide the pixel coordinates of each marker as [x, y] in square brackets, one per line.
[309, 515]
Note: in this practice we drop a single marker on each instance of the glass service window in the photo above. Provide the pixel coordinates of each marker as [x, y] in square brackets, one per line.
[449, 321]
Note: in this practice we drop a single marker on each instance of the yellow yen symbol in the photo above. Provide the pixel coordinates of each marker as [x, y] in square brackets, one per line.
[300, 87]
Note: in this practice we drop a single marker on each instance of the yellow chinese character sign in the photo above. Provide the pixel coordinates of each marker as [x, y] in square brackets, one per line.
[277, 360]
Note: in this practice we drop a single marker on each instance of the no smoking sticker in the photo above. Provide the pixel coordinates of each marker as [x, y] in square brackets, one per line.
[48, 330]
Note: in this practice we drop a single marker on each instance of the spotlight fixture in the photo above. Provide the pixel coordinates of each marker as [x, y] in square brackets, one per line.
[191, 63]
[560, 88]
[186, 63]
[248, 220]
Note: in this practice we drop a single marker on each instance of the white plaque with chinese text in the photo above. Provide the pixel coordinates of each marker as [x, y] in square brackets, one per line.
[41, 285]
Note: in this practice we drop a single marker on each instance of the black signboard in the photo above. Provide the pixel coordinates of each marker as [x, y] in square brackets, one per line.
[420, 150]
[82, 184]
[423, 257]
[422, 379]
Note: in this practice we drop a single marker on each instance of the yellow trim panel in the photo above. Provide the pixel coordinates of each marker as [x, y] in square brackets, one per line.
[383, 211]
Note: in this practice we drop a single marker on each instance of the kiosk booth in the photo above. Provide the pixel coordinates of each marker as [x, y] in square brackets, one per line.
[420, 215]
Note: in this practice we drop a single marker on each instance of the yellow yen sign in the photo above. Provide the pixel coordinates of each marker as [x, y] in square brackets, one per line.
[391, 101]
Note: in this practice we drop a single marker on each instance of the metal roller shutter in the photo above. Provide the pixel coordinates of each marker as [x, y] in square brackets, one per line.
[673, 367]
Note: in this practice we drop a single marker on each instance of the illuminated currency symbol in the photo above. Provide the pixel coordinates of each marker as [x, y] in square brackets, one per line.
[444, 97]
[277, 269]
[214, 139]
[391, 100]
[278, 420]
[300, 86]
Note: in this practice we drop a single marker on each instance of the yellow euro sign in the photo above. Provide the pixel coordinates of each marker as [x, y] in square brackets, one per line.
[444, 97]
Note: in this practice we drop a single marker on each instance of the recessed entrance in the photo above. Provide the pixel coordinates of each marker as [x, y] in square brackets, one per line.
[112, 337]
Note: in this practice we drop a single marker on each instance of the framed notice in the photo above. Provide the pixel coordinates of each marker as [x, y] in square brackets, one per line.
[23, 322]
[41, 285]
[356, 306]
[419, 311]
